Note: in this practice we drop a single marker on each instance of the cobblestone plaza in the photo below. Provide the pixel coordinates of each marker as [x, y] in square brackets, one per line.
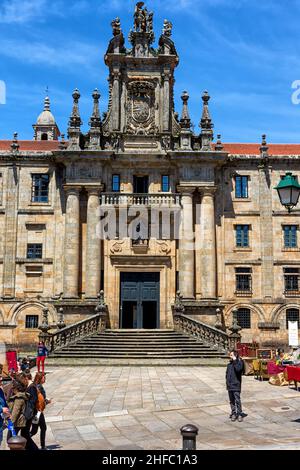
[104, 408]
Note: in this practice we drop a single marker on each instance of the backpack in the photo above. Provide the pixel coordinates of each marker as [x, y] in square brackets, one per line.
[29, 410]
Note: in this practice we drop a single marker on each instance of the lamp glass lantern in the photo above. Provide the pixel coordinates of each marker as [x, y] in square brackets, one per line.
[288, 191]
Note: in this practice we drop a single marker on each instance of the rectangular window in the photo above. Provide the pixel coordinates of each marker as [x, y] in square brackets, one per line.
[290, 236]
[242, 236]
[244, 318]
[291, 281]
[165, 183]
[292, 314]
[32, 322]
[116, 183]
[243, 281]
[40, 188]
[241, 187]
[34, 251]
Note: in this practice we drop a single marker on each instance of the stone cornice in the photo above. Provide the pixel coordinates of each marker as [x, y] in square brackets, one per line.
[144, 260]
[36, 211]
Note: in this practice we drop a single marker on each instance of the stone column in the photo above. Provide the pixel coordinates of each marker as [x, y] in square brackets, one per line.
[72, 242]
[187, 246]
[93, 249]
[166, 102]
[208, 270]
[10, 232]
[266, 223]
[116, 100]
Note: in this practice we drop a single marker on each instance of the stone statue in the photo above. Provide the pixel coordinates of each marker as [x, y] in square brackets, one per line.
[167, 31]
[116, 26]
[150, 22]
[140, 18]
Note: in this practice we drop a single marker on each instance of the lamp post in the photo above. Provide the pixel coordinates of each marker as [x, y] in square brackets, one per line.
[288, 191]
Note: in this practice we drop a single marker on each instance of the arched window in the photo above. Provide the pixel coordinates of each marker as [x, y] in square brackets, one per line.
[44, 136]
[244, 318]
[292, 314]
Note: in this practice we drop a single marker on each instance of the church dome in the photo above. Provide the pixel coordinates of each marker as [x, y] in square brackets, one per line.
[46, 118]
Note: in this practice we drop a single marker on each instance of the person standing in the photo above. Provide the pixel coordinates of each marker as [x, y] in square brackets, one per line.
[40, 421]
[17, 405]
[4, 410]
[234, 372]
[42, 353]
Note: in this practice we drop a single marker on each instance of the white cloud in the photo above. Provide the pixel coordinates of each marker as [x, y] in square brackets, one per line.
[25, 11]
[14, 11]
[71, 54]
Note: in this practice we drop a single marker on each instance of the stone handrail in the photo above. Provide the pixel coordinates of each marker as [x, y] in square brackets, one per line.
[73, 333]
[159, 199]
[209, 335]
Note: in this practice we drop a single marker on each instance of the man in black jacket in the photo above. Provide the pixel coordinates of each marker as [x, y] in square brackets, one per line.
[234, 372]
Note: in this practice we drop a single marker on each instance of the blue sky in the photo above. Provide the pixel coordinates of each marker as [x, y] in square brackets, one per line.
[245, 53]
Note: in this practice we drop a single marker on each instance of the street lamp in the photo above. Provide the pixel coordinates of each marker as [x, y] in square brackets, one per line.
[289, 191]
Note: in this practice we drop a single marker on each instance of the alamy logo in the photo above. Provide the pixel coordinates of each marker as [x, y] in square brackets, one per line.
[2, 92]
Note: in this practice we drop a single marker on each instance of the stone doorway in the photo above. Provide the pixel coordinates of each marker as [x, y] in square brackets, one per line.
[140, 300]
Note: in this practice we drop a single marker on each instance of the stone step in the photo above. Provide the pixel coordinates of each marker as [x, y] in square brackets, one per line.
[130, 362]
[138, 353]
[193, 347]
[142, 345]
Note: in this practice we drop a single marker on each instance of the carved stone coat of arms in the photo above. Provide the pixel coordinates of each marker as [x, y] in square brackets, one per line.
[140, 108]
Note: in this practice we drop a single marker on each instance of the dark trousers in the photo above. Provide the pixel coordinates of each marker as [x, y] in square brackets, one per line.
[25, 432]
[43, 427]
[235, 402]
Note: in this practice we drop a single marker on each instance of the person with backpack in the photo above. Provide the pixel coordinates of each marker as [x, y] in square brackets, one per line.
[17, 404]
[39, 421]
[42, 353]
[235, 370]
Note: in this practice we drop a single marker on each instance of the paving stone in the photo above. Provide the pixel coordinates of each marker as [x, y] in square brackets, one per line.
[146, 406]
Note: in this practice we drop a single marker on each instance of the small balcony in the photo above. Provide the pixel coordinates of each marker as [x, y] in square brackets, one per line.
[291, 293]
[148, 200]
[243, 293]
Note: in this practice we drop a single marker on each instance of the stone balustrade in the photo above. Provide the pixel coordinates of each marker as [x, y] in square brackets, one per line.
[73, 333]
[116, 199]
[207, 334]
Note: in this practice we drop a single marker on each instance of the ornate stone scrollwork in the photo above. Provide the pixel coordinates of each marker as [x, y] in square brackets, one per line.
[117, 247]
[164, 248]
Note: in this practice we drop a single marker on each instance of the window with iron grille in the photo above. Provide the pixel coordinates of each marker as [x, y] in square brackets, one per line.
[242, 236]
[165, 183]
[292, 314]
[243, 280]
[291, 281]
[241, 187]
[32, 322]
[40, 188]
[290, 236]
[244, 318]
[116, 180]
[34, 251]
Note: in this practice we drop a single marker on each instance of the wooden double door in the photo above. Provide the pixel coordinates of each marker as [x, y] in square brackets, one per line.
[139, 303]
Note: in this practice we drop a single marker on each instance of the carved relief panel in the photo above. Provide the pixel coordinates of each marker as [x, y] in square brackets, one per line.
[140, 107]
[83, 172]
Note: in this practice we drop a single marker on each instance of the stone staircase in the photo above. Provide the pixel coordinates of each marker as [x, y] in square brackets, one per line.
[137, 345]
